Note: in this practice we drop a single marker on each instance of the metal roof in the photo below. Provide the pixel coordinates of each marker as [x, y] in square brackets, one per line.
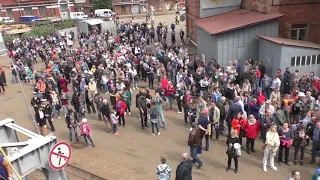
[233, 20]
[291, 42]
[93, 21]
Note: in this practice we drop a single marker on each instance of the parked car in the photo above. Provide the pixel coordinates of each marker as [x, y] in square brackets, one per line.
[78, 16]
[6, 19]
[28, 19]
[181, 12]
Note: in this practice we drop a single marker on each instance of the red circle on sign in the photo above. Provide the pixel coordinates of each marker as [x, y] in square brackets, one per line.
[53, 153]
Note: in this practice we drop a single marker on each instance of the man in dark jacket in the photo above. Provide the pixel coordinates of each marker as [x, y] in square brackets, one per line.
[234, 109]
[184, 169]
[142, 106]
[105, 111]
[194, 143]
[286, 81]
[221, 105]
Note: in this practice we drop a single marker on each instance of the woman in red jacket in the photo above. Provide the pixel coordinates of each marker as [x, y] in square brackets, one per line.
[121, 107]
[169, 93]
[252, 130]
[238, 123]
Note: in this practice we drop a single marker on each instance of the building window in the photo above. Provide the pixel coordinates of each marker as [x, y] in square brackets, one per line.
[28, 11]
[123, 8]
[293, 61]
[308, 60]
[314, 59]
[298, 32]
[303, 60]
[298, 61]
[42, 11]
[318, 59]
[9, 12]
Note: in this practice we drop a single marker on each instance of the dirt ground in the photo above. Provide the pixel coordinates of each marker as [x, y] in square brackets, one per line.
[134, 153]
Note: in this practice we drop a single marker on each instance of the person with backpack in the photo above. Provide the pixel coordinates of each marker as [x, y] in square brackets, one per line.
[72, 124]
[154, 118]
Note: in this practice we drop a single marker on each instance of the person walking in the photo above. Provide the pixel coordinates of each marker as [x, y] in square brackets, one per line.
[232, 139]
[121, 108]
[194, 143]
[270, 147]
[159, 103]
[72, 124]
[85, 131]
[204, 126]
[184, 169]
[114, 120]
[105, 110]
[163, 170]
[154, 118]
[314, 133]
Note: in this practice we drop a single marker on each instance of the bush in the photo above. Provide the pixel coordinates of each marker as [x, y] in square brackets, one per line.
[42, 30]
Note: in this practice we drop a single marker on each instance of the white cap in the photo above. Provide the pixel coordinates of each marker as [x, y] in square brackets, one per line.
[301, 94]
[85, 71]
[84, 120]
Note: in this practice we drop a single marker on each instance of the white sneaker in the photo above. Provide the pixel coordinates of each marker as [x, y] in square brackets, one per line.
[265, 169]
[179, 112]
[129, 113]
[158, 133]
[274, 168]
[58, 117]
[125, 113]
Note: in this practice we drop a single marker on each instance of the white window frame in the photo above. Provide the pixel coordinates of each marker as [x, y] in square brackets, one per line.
[298, 32]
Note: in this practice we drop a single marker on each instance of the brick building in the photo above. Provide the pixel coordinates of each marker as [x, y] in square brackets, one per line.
[40, 8]
[301, 20]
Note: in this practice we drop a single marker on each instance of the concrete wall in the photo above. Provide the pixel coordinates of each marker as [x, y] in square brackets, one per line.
[211, 8]
[270, 56]
[287, 52]
[243, 44]
[207, 45]
[67, 30]
[3, 48]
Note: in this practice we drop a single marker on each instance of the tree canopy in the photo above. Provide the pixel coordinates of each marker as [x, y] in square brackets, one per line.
[102, 4]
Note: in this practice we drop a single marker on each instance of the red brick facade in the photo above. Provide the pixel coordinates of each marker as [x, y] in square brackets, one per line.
[192, 14]
[297, 12]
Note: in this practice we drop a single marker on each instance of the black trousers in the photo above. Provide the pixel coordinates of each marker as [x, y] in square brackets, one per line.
[50, 123]
[121, 119]
[286, 153]
[250, 144]
[203, 134]
[296, 151]
[179, 102]
[212, 127]
[235, 159]
[89, 106]
[186, 115]
[150, 79]
[144, 117]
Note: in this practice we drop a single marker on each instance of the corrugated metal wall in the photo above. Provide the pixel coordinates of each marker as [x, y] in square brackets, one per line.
[211, 8]
[243, 44]
[270, 55]
[206, 45]
[287, 52]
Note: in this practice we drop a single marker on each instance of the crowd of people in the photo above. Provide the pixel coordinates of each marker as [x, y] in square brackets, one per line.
[240, 100]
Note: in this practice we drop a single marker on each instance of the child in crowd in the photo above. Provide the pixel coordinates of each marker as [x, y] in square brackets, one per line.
[163, 170]
[114, 120]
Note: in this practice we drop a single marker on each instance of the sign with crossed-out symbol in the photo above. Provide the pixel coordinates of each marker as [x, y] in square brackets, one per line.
[60, 155]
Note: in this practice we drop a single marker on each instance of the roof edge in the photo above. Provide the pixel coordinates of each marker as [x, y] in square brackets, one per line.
[265, 38]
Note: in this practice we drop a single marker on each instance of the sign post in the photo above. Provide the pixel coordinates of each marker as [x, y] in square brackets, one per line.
[60, 155]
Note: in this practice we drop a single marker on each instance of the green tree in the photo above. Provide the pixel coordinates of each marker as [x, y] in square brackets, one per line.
[102, 4]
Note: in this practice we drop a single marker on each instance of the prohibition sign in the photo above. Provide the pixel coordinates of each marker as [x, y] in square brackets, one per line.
[60, 155]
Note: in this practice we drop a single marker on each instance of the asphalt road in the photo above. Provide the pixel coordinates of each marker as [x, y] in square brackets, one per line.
[134, 153]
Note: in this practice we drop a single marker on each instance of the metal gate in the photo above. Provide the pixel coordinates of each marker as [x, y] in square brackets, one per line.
[135, 9]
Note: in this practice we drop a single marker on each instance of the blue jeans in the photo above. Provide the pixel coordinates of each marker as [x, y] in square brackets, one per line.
[114, 127]
[160, 111]
[105, 88]
[14, 79]
[169, 102]
[194, 155]
[54, 110]
[75, 130]
[154, 125]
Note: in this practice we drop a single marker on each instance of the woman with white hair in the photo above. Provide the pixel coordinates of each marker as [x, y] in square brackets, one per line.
[231, 152]
[270, 147]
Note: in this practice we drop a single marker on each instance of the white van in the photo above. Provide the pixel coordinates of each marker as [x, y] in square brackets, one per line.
[78, 16]
[104, 13]
[6, 19]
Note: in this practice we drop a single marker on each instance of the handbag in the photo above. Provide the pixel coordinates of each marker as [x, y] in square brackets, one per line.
[58, 107]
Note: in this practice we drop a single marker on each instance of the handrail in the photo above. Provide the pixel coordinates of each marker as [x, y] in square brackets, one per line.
[6, 158]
